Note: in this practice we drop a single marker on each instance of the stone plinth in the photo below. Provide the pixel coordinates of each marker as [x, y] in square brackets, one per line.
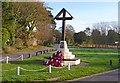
[74, 61]
[68, 56]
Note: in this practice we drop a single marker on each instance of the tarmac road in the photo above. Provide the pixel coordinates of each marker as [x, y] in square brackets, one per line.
[105, 77]
[25, 54]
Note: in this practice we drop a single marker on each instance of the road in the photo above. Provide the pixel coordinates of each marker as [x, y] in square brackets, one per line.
[105, 77]
[25, 54]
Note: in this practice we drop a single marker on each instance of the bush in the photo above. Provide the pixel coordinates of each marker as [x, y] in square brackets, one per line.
[9, 50]
[18, 42]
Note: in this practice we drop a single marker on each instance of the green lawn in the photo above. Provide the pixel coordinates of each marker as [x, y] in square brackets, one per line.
[93, 60]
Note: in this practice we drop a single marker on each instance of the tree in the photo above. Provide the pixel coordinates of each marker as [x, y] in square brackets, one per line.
[76, 38]
[112, 37]
[102, 29]
[8, 23]
[5, 37]
[70, 34]
[88, 33]
[80, 37]
[52, 20]
[57, 36]
[22, 18]
[96, 36]
[30, 14]
[44, 33]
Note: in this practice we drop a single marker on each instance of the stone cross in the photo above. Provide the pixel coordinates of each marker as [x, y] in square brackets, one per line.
[63, 18]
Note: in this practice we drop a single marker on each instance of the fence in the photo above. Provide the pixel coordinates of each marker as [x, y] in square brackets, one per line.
[8, 58]
[18, 69]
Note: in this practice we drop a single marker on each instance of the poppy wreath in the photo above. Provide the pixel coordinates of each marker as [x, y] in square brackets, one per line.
[55, 59]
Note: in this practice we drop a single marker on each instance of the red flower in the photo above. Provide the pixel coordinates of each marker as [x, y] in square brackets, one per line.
[55, 59]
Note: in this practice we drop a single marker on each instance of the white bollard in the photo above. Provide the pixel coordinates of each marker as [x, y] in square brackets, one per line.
[18, 70]
[7, 59]
[49, 68]
[22, 57]
[68, 66]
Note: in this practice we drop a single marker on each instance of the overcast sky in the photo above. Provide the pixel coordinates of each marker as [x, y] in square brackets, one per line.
[86, 13]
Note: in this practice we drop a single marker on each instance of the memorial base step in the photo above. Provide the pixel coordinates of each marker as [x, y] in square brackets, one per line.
[74, 61]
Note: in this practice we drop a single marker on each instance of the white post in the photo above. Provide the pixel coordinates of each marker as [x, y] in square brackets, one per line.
[7, 59]
[68, 66]
[49, 68]
[18, 70]
[22, 57]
